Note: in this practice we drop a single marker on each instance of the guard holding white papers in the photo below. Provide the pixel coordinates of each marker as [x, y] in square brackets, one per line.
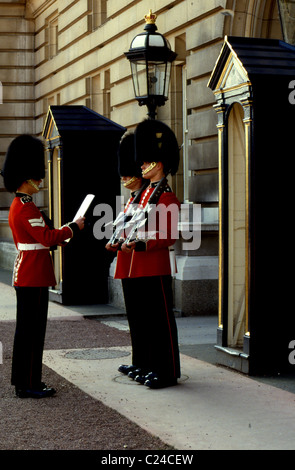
[33, 273]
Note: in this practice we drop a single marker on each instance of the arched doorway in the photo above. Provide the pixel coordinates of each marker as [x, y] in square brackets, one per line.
[236, 226]
[56, 212]
[256, 19]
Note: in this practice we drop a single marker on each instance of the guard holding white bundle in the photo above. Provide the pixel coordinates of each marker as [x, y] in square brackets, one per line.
[33, 273]
[149, 268]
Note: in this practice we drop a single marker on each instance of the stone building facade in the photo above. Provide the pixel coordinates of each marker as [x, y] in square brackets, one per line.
[58, 52]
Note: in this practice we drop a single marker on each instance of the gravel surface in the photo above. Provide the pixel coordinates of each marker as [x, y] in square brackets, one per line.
[72, 420]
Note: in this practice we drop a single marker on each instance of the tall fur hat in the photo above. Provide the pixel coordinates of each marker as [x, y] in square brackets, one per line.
[156, 142]
[126, 157]
[24, 160]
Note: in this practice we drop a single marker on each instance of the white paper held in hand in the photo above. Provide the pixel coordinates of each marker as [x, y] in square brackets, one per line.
[83, 209]
[84, 206]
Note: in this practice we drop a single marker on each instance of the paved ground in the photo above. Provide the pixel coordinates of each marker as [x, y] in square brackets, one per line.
[212, 408]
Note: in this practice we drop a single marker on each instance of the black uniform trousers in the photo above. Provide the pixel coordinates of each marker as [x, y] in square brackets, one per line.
[31, 320]
[153, 329]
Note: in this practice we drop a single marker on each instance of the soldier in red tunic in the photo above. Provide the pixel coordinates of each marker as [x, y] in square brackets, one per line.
[150, 270]
[131, 178]
[33, 272]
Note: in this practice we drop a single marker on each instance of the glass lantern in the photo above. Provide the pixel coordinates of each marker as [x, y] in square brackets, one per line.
[151, 58]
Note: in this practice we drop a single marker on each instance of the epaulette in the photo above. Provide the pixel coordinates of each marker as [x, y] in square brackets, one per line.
[26, 199]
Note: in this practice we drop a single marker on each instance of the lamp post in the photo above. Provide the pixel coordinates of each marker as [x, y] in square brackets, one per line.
[151, 58]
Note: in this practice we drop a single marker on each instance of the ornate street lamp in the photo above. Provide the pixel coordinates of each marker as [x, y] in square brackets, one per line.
[151, 58]
[287, 17]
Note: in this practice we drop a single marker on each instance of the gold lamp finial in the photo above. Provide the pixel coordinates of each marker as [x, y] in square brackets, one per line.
[150, 18]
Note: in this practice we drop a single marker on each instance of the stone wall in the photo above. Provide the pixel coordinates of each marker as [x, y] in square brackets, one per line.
[72, 52]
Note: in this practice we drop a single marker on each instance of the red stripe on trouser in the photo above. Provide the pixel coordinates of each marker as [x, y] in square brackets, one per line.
[170, 333]
[32, 371]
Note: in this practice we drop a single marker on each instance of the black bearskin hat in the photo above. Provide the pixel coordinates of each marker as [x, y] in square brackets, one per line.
[156, 142]
[126, 157]
[24, 160]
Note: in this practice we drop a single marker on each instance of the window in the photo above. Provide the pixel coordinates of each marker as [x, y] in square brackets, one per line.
[100, 93]
[99, 11]
[51, 36]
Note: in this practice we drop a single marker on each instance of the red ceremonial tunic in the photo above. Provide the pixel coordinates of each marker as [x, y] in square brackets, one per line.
[155, 260]
[32, 237]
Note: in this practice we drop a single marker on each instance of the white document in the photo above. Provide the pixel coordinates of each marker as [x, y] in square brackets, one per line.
[84, 206]
[83, 209]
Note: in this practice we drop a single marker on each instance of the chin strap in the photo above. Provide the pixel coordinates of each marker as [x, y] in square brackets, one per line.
[134, 178]
[33, 184]
[149, 168]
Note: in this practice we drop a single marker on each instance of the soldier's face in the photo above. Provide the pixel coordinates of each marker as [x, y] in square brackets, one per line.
[152, 170]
